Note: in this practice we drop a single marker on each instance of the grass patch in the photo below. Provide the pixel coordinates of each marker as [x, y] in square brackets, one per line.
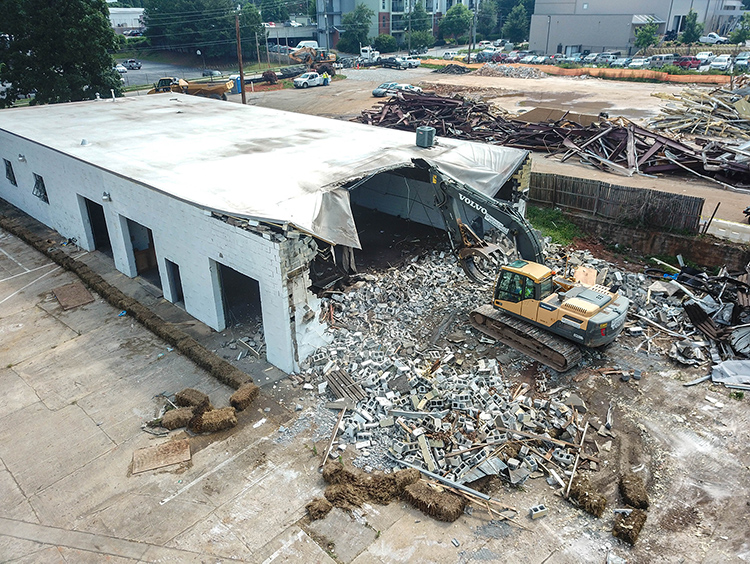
[552, 223]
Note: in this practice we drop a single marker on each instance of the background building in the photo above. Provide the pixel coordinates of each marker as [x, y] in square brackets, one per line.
[577, 26]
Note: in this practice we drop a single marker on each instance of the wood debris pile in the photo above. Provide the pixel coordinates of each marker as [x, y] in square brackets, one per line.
[720, 113]
[612, 145]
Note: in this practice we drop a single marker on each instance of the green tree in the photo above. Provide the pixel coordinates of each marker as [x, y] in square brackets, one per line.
[457, 21]
[691, 29]
[418, 19]
[516, 26]
[356, 25]
[421, 39]
[385, 43]
[645, 35]
[312, 10]
[251, 29]
[190, 25]
[274, 11]
[742, 33]
[60, 50]
[487, 17]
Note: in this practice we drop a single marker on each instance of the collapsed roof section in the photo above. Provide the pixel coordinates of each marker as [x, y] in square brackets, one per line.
[251, 162]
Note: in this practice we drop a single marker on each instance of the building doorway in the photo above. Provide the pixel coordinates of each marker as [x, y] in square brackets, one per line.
[175, 283]
[144, 252]
[98, 224]
[241, 298]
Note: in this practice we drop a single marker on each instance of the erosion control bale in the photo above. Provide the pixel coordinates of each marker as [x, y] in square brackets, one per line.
[244, 396]
[176, 418]
[587, 499]
[437, 503]
[191, 398]
[352, 486]
[196, 423]
[628, 527]
[219, 420]
[633, 491]
[318, 508]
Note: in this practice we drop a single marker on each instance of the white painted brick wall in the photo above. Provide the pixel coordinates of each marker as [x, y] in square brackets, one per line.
[183, 233]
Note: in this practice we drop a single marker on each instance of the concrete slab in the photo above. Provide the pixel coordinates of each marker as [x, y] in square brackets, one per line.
[64, 440]
[28, 551]
[15, 391]
[212, 536]
[84, 318]
[158, 456]
[17, 257]
[29, 289]
[343, 534]
[27, 333]
[14, 505]
[293, 545]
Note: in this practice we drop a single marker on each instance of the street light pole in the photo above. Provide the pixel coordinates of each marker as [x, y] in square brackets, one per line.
[200, 54]
[239, 56]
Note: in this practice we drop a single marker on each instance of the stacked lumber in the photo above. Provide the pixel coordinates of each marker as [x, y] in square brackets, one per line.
[720, 113]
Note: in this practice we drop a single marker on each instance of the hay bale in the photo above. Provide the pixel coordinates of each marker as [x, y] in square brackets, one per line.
[218, 420]
[633, 491]
[191, 398]
[437, 503]
[318, 508]
[236, 379]
[345, 496]
[176, 418]
[244, 396]
[352, 486]
[628, 527]
[196, 423]
[582, 494]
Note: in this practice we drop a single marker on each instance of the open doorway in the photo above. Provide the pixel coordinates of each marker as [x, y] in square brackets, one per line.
[241, 297]
[175, 283]
[144, 252]
[98, 224]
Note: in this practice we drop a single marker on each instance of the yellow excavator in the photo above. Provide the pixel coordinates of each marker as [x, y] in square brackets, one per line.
[318, 60]
[533, 310]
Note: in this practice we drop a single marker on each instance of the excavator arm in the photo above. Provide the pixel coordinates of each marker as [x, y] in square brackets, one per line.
[461, 205]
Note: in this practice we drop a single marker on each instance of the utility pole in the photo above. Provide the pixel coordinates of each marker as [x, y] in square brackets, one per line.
[239, 56]
[409, 53]
[257, 48]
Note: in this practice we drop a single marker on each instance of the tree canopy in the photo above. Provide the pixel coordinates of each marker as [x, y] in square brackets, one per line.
[385, 43]
[356, 25]
[645, 35]
[420, 39]
[487, 18]
[274, 11]
[691, 29]
[419, 19]
[742, 33]
[60, 51]
[516, 26]
[457, 21]
[205, 25]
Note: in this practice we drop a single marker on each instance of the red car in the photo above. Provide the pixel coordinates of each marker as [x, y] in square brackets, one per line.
[499, 57]
[688, 62]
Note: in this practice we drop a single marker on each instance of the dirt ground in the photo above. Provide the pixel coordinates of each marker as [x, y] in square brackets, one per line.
[345, 99]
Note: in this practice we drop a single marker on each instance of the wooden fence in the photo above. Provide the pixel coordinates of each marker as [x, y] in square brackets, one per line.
[651, 208]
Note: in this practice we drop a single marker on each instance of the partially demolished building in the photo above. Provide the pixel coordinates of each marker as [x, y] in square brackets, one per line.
[225, 207]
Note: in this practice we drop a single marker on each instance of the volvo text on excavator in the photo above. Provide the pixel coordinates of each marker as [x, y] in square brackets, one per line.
[534, 311]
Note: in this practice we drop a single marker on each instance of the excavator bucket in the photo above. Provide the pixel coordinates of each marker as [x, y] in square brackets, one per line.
[482, 263]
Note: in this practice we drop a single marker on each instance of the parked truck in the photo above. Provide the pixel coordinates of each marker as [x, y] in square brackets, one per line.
[368, 56]
[217, 90]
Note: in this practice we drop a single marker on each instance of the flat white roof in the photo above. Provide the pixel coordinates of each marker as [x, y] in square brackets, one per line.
[247, 161]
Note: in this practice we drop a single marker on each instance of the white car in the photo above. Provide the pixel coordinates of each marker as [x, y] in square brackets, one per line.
[308, 79]
[412, 62]
[722, 63]
[450, 55]
[705, 57]
[408, 88]
[528, 59]
[120, 68]
[590, 58]
[639, 63]
[713, 38]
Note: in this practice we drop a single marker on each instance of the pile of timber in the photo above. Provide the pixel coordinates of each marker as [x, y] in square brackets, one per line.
[612, 145]
[720, 113]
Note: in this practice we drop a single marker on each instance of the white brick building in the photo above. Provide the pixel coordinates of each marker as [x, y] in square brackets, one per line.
[199, 195]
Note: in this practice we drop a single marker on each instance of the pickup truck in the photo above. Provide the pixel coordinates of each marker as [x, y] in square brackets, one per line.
[394, 63]
[308, 79]
[132, 64]
[713, 39]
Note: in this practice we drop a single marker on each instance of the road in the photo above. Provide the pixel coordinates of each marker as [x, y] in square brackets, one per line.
[151, 72]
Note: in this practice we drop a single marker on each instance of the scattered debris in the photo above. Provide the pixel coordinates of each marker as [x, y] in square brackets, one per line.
[508, 71]
[453, 69]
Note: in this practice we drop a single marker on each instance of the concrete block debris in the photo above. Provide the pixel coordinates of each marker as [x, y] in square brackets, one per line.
[538, 511]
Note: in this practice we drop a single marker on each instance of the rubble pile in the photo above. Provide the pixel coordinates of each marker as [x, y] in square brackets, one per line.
[617, 146]
[719, 113]
[508, 71]
[419, 389]
[453, 69]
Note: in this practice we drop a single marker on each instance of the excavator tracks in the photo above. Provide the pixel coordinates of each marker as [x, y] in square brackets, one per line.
[549, 349]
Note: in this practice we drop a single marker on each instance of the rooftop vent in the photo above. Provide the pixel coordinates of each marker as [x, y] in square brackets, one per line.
[425, 136]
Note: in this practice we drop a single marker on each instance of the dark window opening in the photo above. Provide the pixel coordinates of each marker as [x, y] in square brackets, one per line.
[144, 252]
[242, 307]
[175, 283]
[40, 191]
[9, 174]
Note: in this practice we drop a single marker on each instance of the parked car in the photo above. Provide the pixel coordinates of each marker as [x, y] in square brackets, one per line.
[713, 38]
[120, 68]
[528, 59]
[500, 57]
[408, 88]
[688, 62]
[605, 58]
[292, 23]
[722, 63]
[308, 79]
[211, 72]
[590, 59]
[639, 63]
[394, 63]
[269, 24]
[484, 56]
[412, 62]
[658, 61]
[450, 55]
[741, 62]
[385, 89]
[622, 62]
[132, 64]
[575, 58]
[705, 57]
[419, 51]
